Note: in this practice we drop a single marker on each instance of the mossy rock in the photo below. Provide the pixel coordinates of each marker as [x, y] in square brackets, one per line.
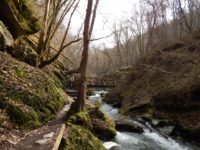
[25, 54]
[19, 16]
[31, 94]
[45, 114]
[103, 125]
[60, 74]
[22, 117]
[82, 119]
[6, 39]
[79, 138]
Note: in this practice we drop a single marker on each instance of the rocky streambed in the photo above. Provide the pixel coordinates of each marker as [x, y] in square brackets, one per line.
[140, 133]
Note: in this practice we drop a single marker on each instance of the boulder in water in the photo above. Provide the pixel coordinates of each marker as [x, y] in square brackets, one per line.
[103, 125]
[111, 145]
[128, 127]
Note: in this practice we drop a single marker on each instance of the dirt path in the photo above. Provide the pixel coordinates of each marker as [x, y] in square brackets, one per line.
[44, 137]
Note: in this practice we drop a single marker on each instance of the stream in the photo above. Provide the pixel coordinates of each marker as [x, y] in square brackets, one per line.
[150, 139]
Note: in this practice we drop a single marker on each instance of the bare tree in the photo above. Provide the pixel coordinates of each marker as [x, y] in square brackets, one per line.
[90, 16]
[54, 14]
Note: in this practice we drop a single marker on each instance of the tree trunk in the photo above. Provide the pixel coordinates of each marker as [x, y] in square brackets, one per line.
[83, 65]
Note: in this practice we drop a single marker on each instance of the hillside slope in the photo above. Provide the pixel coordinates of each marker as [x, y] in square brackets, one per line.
[165, 85]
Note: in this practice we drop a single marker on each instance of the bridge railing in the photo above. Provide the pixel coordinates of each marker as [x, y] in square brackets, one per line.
[96, 81]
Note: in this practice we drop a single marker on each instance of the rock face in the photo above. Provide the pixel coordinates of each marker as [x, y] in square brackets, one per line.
[18, 17]
[6, 39]
[25, 54]
[28, 96]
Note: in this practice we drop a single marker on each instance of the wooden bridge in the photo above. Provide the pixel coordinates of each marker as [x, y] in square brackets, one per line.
[100, 82]
[94, 82]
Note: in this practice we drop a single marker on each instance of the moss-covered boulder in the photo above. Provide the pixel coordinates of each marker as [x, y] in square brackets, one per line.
[6, 39]
[19, 17]
[82, 119]
[25, 54]
[103, 125]
[25, 117]
[28, 96]
[78, 137]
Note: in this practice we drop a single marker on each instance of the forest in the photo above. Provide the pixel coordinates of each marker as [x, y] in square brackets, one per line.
[99, 75]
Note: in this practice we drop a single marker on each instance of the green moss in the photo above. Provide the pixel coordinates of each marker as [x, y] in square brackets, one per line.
[20, 72]
[80, 138]
[51, 108]
[64, 79]
[26, 119]
[81, 118]
[24, 12]
[24, 53]
[26, 97]
[98, 104]
[149, 113]
[97, 122]
[45, 114]
[103, 125]
[31, 100]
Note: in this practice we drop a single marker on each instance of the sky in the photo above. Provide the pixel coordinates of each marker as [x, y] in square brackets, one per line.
[108, 13]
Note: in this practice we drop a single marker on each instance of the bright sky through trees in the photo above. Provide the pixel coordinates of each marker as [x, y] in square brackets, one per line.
[109, 12]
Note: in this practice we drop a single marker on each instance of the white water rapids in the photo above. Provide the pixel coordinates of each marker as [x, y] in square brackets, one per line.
[148, 140]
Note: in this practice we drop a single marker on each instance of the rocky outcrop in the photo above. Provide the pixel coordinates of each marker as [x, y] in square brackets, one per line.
[6, 39]
[28, 96]
[86, 128]
[78, 137]
[102, 125]
[18, 17]
[25, 54]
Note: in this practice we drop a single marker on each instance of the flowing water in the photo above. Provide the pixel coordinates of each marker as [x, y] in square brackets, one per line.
[150, 139]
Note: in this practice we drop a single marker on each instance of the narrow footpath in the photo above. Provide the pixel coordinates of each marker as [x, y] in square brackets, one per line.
[48, 136]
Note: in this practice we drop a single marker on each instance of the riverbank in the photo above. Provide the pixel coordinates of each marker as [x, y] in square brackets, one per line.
[137, 133]
[164, 86]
